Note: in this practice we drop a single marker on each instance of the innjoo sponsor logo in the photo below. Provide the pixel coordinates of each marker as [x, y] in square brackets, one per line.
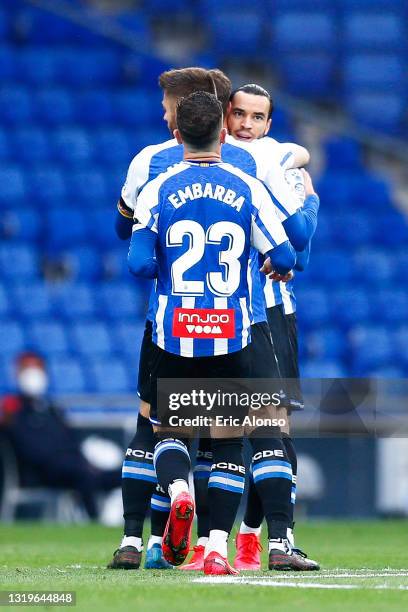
[204, 323]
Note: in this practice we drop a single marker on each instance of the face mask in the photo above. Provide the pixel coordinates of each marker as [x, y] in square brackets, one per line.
[33, 381]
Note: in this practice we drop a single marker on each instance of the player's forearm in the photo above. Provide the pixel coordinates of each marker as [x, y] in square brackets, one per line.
[283, 257]
[141, 259]
[301, 226]
[123, 226]
[124, 220]
[301, 156]
[302, 258]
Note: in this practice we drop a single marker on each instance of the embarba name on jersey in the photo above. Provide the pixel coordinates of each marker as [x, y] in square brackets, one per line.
[215, 192]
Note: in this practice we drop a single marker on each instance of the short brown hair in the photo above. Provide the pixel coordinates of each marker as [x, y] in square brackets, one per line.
[223, 86]
[199, 119]
[182, 82]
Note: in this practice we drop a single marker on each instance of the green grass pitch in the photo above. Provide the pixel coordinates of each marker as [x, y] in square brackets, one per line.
[365, 568]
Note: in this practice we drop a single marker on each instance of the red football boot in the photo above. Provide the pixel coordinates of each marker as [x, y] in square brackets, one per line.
[248, 552]
[216, 565]
[176, 537]
[196, 563]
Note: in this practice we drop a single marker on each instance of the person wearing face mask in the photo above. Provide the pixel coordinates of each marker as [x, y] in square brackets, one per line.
[46, 447]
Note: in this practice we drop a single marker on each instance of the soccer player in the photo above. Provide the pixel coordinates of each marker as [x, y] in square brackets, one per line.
[249, 118]
[205, 200]
[256, 160]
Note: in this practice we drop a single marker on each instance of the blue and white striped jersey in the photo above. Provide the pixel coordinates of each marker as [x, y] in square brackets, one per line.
[264, 158]
[276, 292]
[206, 216]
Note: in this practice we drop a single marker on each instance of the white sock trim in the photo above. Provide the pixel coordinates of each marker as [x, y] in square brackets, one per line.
[291, 537]
[154, 540]
[202, 541]
[177, 487]
[217, 542]
[244, 529]
[132, 541]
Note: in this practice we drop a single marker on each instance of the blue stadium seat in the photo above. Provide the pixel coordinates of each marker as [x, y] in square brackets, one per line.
[7, 377]
[110, 375]
[364, 107]
[47, 187]
[157, 6]
[314, 306]
[4, 24]
[48, 337]
[102, 227]
[90, 67]
[38, 65]
[395, 5]
[115, 262]
[391, 305]
[114, 145]
[335, 188]
[66, 375]
[324, 234]
[12, 337]
[353, 229]
[372, 193]
[283, 6]
[323, 368]
[331, 267]
[373, 31]
[84, 262]
[123, 300]
[43, 27]
[95, 107]
[308, 73]
[137, 107]
[54, 106]
[32, 300]
[4, 301]
[350, 305]
[400, 343]
[327, 343]
[400, 261]
[343, 154]
[371, 348]
[26, 224]
[31, 145]
[72, 145]
[74, 301]
[372, 265]
[65, 227]
[373, 70]
[91, 338]
[391, 229]
[88, 185]
[4, 145]
[15, 105]
[228, 35]
[149, 137]
[8, 63]
[18, 261]
[128, 339]
[13, 186]
[295, 31]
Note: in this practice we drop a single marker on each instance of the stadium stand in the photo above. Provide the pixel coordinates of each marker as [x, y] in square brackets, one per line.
[75, 108]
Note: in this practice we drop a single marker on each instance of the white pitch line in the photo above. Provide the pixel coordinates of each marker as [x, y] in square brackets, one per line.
[295, 585]
[373, 574]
